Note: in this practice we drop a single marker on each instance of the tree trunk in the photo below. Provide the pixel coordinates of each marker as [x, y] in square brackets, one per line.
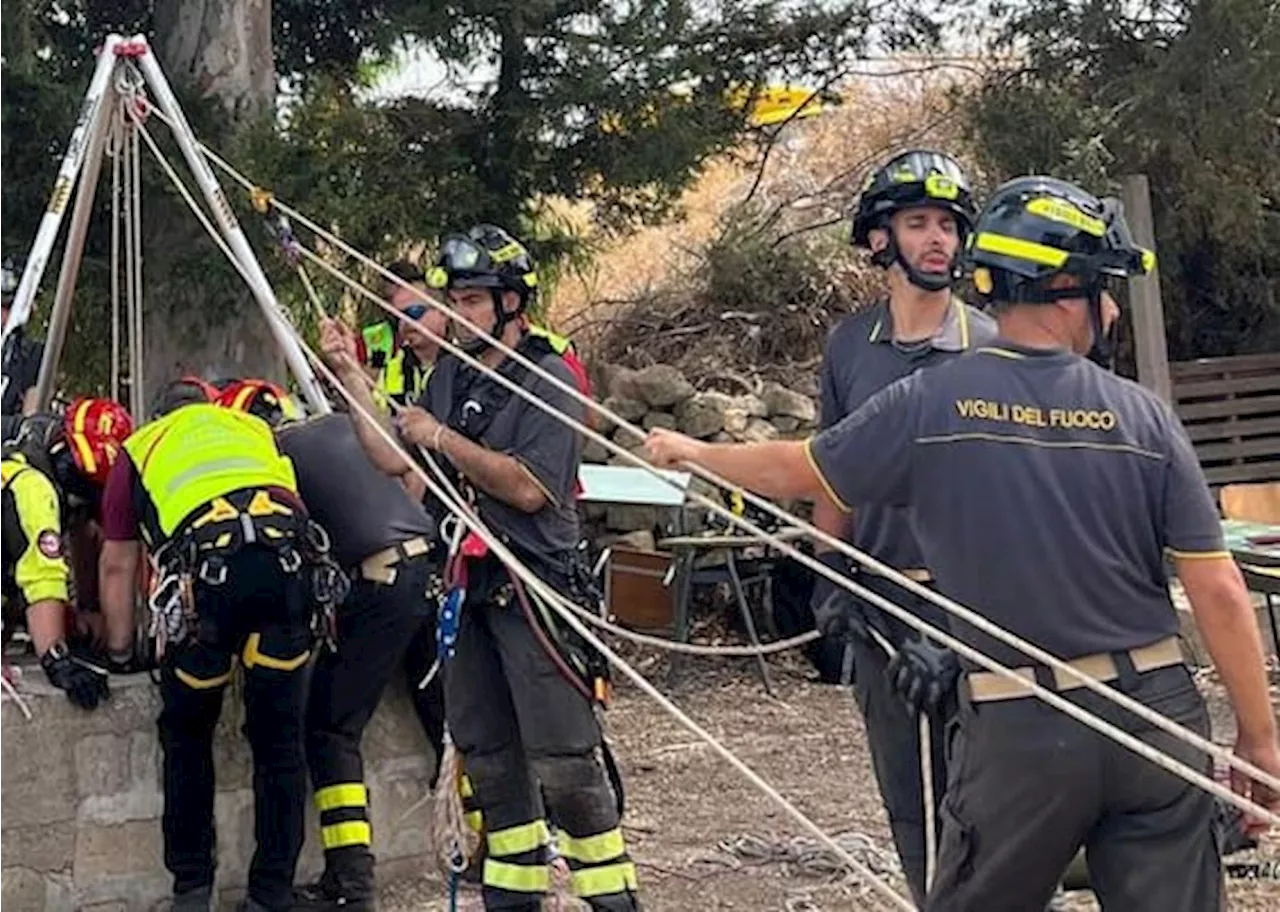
[200, 317]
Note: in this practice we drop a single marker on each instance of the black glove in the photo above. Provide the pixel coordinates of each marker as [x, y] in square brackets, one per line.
[837, 612]
[84, 681]
[923, 675]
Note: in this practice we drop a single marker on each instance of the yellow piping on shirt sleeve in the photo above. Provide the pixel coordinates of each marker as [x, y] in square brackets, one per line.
[38, 576]
[822, 479]
[1199, 555]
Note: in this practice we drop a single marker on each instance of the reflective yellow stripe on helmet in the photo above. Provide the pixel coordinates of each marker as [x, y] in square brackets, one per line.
[1021, 250]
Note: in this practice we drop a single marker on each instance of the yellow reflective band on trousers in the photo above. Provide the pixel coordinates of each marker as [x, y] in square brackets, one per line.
[254, 657]
[200, 452]
[517, 839]
[516, 878]
[619, 877]
[342, 795]
[475, 820]
[195, 683]
[606, 846]
[347, 833]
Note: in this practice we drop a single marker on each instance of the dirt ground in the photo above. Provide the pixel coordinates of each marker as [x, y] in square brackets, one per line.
[687, 809]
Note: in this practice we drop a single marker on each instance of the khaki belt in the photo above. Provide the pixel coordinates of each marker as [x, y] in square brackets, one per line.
[987, 686]
[381, 567]
[915, 574]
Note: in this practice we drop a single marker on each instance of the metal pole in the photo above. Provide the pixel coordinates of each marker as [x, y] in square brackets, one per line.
[74, 252]
[1150, 346]
[47, 233]
[226, 220]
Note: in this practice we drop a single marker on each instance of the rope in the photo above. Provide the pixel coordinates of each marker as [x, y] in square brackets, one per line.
[534, 582]
[963, 649]
[810, 857]
[137, 373]
[114, 151]
[127, 151]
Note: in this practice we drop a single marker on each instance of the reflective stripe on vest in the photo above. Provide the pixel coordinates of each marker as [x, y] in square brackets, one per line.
[559, 344]
[200, 452]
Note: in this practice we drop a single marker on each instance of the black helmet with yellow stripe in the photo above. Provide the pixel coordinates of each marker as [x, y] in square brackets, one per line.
[486, 257]
[920, 177]
[1034, 228]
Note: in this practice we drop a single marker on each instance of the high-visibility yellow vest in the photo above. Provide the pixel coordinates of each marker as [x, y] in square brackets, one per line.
[199, 452]
[381, 338]
[559, 344]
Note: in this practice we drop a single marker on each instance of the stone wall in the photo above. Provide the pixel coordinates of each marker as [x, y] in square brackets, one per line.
[661, 396]
[80, 804]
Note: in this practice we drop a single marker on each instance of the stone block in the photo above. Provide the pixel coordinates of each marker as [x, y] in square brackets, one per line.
[626, 408]
[653, 420]
[596, 452]
[703, 415]
[122, 849]
[21, 888]
[102, 764]
[781, 401]
[661, 386]
[44, 848]
[399, 832]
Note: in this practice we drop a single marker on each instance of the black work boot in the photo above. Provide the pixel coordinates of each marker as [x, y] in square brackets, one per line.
[197, 900]
[327, 895]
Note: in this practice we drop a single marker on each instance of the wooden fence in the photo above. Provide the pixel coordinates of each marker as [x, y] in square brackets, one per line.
[1231, 409]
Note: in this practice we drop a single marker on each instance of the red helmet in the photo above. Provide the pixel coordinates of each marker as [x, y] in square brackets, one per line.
[95, 431]
[260, 398]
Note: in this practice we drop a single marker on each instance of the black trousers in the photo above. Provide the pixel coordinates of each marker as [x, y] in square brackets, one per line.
[1029, 786]
[428, 702]
[375, 625]
[526, 734]
[893, 735]
[260, 614]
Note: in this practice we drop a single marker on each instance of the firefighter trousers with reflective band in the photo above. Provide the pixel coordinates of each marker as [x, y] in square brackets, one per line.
[528, 736]
[1029, 786]
[375, 625]
[260, 616]
[893, 737]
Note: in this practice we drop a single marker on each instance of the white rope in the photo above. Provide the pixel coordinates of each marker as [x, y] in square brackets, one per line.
[137, 371]
[127, 150]
[531, 579]
[963, 649]
[114, 150]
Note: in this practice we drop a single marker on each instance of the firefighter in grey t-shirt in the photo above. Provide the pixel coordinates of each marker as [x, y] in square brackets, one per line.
[914, 215]
[1048, 493]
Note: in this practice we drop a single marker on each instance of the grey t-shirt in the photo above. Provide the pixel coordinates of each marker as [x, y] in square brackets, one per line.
[363, 509]
[548, 449]
[1046, 491]
[862, 358]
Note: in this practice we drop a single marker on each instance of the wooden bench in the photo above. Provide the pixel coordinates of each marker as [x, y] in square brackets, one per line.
[1231, 409]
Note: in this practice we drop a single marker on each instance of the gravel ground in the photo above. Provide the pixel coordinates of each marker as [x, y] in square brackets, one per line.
[687, 808]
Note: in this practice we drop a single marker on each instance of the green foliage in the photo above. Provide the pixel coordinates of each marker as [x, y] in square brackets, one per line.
[1186, 92]
[617, 104]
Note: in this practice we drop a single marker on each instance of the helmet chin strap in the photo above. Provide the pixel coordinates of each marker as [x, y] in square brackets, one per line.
[1102, 351]
[928, 281]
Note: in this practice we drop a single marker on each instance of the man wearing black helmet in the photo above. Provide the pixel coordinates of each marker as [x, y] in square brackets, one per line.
[520, 688]
[913, 215]
[1048, 493]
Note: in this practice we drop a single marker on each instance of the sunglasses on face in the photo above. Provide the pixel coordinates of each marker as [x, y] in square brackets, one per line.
[415, 311]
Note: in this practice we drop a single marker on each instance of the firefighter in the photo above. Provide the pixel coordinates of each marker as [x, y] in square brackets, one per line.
[401, 356]
[1048, 493]
[519, 687]
[217, 506]
[913, 215]
[386, 544]
[52, 479]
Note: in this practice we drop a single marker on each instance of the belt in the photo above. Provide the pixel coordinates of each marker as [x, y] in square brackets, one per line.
[380, 567]
[988, 687]
[915, 574]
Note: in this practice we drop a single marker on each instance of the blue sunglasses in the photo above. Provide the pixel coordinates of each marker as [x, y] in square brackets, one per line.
[415, 311]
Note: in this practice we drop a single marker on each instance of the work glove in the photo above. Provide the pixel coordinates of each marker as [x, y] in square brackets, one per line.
[84, 681]
[837, 612]
[923, 675]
